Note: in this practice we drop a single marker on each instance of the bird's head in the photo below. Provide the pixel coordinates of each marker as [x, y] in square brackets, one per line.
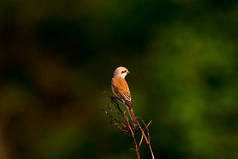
[121, 72]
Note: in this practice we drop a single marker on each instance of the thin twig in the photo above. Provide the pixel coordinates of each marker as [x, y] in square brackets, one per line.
[125, 126]
[148, 134]
[133, 136]
[147, 140]
[146, 127]
[142, 137]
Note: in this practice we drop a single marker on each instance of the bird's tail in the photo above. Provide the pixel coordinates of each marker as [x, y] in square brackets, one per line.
[132, 115]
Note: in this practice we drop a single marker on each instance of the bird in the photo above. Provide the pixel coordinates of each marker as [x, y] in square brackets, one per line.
[121, 90]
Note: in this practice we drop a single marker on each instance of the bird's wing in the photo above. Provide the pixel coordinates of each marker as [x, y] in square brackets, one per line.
[121, 89]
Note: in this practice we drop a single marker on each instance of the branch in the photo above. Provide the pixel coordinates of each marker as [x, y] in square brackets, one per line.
[126, 127]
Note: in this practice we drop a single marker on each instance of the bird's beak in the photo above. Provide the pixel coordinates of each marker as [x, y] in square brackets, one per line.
[128, 72]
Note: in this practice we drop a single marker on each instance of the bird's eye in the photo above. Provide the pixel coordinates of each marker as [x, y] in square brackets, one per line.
[123, 71]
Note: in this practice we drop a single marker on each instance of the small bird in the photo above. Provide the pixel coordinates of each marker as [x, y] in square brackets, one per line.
[121, 90]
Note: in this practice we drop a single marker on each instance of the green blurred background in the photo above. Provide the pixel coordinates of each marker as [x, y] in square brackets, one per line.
[57, 59]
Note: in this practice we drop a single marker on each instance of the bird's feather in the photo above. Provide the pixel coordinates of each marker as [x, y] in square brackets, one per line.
[121, 89]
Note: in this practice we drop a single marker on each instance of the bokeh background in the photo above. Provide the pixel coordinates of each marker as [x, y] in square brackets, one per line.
[57, 59]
